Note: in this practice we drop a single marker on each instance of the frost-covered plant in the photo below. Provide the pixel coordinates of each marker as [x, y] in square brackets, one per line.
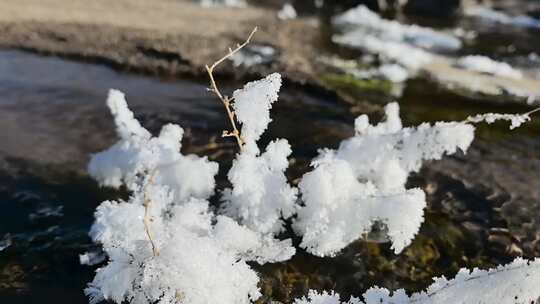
[363, 181]
[165, 244]
[515, 283]
[260, 196]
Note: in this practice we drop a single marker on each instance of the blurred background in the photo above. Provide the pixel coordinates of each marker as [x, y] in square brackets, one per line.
[440, 59]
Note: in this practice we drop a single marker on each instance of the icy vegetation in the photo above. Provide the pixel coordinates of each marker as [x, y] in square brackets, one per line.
[164, 244]
[260, 196]
[167, 244]
[363, 181]
[502, 18]
[487, 65]
[516, 120]
[515, 283]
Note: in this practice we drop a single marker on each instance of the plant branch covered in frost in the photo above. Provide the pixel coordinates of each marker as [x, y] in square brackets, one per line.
[515, 283]
[165, 244]
[193, 255]
[363, 181]
[516, 120]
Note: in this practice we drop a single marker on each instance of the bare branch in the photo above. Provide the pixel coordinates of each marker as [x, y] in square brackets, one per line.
[147, 202]
[224, 99]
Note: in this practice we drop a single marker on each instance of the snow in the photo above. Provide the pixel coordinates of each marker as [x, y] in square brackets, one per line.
[389, 50]
[363, 181]
[252, 106]
[516, 120]
[287, 12]
[164, 244]
[487, 65]
[366, 30]
[138, 152]
[362, 20]
[92, 258]
[515, 283]
[502, 18]
[260, 197]
[200, 257]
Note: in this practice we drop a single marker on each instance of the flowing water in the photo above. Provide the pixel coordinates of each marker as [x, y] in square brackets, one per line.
[53, 116]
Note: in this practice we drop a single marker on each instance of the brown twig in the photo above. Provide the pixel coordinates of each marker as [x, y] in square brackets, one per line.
[147, 202]
[224, 99]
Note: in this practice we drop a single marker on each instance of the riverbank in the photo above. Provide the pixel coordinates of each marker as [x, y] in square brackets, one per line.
[159, 37]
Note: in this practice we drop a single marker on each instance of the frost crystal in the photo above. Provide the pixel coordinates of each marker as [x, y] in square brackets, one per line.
[138, 152]
[515, 283]
[260, 197]
[164, 244]
[252, 106]
[363, 181]
[516, 120]
[195, 263]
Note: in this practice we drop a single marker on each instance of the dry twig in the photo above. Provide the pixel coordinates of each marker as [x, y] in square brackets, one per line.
[147, 202]
[224, 99]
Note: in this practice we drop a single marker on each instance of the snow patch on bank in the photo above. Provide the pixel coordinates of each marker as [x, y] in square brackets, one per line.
[487, 65]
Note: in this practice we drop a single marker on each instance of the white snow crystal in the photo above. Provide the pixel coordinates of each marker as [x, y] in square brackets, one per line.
[138, 152]
[516, 120]
[515, 283]
[363, 181]
[487, 65]
[164, 244]
[260, 197]
[252, 106]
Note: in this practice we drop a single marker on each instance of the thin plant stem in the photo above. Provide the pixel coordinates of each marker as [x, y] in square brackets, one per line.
[227, 102]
